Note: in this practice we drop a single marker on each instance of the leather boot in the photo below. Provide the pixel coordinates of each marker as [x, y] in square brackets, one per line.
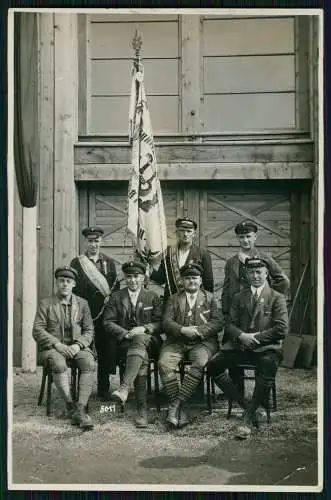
[81, 418]
[71, 408]
[173, 414]
[141, 417]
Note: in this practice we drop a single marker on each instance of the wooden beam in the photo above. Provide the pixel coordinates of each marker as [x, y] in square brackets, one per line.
[65, 135]
[190, 73]
[199, 171]
[302, 72]
[46, 185]
[82, 72]
[200, 153]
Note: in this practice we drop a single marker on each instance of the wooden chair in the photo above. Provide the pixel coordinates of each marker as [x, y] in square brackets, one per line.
[47, 378]
[240, 379]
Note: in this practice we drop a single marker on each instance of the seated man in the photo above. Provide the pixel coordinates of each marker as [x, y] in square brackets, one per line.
[63, 330]
[258, 322]
[192, 320]
[133, 317]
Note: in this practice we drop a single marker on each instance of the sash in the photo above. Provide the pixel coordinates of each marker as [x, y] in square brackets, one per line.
[174, 267]
[94, 275]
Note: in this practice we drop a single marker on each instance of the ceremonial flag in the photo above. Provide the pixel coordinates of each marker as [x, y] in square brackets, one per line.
[146, 220]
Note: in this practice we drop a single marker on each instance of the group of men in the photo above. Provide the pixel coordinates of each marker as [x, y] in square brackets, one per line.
[103, 321]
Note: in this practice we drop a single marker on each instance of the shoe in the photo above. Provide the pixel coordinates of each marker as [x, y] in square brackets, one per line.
[82, 419]
[121, 395]
[173, 415]
[141, 417]
[71, 408]
[183, 419]
[260, 416]
[243, 431]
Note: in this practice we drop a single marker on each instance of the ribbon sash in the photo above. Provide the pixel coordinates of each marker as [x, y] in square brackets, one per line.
[94, 275]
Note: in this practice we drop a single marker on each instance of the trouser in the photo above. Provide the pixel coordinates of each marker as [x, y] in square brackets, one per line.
[105, 346]
[84, 361]
[266, 362]
[172, 353]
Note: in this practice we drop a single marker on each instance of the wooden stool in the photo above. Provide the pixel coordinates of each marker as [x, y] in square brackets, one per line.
[240, 382]
[47, 377]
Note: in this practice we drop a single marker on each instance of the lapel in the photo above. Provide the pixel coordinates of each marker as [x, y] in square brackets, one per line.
[264, 298]
[191, 255]
[126, 303]
[182, 305]
[140, 305]
[198, 306]
[235, 265]
[74, 309]
[57, 309]
[248, 301]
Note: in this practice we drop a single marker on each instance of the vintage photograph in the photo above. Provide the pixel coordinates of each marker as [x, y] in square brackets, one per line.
[165, 186]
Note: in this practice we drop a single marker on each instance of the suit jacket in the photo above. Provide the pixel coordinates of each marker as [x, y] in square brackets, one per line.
[116, 317]
[198, 255]
[232, 283]
[269, 318]
[208, 316]
[85, 288]
[48, 328]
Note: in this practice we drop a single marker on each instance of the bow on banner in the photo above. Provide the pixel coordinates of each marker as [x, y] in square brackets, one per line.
[146, 220]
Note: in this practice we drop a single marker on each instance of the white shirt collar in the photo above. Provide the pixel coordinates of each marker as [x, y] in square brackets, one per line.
[258, 290]
[182, 256]
[134, 296]
[191, 298]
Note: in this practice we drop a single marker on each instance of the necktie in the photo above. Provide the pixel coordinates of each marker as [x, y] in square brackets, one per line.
[255, 298]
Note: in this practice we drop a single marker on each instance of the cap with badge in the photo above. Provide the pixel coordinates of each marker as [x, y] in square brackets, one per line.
[66, 272]
[92, 232]
[134, 267]
[254, 263]
[186, 223]
[191, 270]
[245, 228]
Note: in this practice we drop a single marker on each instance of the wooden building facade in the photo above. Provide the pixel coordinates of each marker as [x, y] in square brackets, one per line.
[234, 109]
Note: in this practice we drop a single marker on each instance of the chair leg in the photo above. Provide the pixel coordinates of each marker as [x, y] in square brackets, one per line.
[42, 387]
[213, 390]
[122, 371]
[209, 405]
[267, 404]
[181, 372]
[274, 397]
[229, 409]
[157, 387]
[73, 384]
[149, 379]
[49, 394]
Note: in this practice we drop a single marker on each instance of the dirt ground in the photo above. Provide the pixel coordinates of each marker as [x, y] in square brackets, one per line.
[47, 450]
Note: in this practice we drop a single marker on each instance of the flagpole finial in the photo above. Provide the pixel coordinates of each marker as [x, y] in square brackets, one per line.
[137, 43]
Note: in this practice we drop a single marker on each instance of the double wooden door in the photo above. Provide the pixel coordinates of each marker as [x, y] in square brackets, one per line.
[216, 206]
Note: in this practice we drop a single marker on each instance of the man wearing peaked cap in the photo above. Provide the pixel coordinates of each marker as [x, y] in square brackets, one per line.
[183, 252]
[257, 325]
[191, 321]
[63, 330]
[132, 318]
[96, 280]
[235, 276]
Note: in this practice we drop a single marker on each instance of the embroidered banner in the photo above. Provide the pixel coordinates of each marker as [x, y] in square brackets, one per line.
[146, 220]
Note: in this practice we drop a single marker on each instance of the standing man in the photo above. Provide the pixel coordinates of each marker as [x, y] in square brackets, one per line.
[192, 320]
[95, 282]
[133, 318]
[257, 324]
[235, 276]
[63, 330]
[184, 252]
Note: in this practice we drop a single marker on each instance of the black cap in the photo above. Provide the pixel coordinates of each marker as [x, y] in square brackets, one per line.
[66, 272]
[255, 262]
[94, 232]
[134, 267]
[186, 223]
[191, 270]
[245, 227]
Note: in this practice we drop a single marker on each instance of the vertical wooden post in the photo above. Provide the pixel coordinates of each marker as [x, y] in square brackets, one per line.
[190, 74]
[29, 351]
[46, 184]
[65, 135]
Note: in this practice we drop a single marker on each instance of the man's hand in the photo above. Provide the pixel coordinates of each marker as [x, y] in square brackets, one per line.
[190, 332]
[74, 348]
[63, 349]
[248, 341]
[136, 330]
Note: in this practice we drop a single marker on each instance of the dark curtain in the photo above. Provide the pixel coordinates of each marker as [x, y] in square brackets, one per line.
[26, 136]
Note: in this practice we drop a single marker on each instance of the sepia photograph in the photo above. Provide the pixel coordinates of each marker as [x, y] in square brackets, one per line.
[165, 219]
